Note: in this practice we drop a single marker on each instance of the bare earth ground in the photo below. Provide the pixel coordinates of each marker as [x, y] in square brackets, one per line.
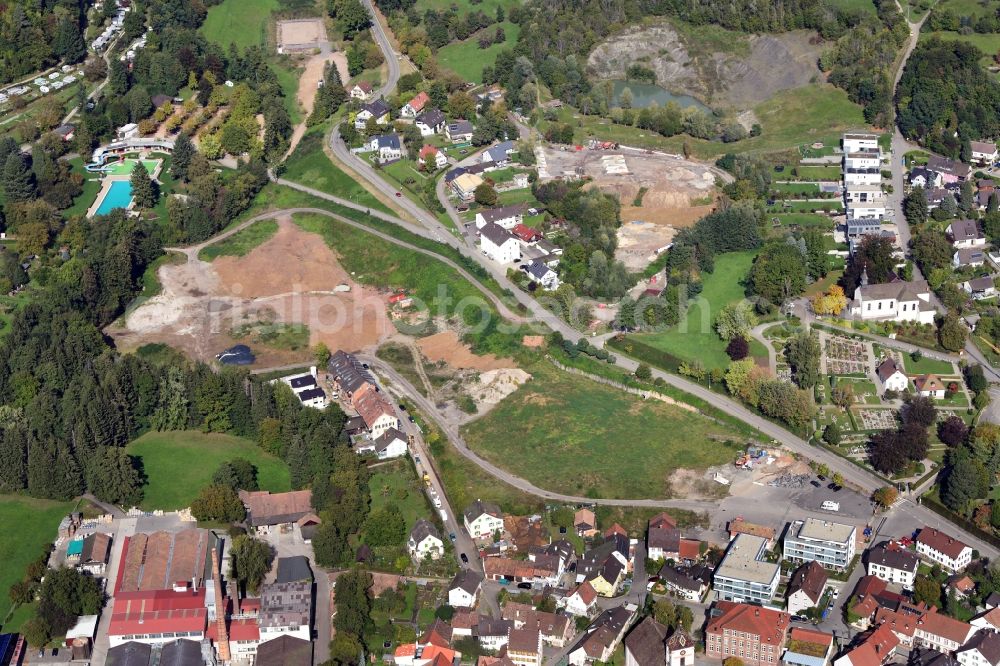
[301, 31]
[699, 485]
[672, 185]
[445, 346]
[289, 279]
[306, 94]
[754, 68]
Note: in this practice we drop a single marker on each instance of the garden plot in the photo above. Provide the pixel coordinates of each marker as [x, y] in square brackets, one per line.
[877, 419]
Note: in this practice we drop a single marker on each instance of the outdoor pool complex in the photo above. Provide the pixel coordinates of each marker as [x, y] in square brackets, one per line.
[119, 195]
[125, 167]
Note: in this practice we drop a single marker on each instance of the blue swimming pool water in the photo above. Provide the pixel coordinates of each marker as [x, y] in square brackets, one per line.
[118, 196]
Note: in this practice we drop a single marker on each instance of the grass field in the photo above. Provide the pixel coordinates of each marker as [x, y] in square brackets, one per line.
[804, 220]
[241, 242]
[927, 365]
[572, 435]
[989, 44]
[816, 112]
[796, 188]
[240, 22]
[466, 59]
[397, 484]
[696, 338]
[288, 78]
[36, 522]
[794, 206]
[309, 165]
[851, 5]
[179, 464]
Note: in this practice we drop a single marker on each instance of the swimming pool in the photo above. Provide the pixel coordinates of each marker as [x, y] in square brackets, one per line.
[119, 195]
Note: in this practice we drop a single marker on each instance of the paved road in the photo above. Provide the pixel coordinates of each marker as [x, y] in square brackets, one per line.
[125, 527]
[453, 522]
[391, 59]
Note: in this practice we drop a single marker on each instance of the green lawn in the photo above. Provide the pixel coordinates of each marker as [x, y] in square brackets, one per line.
[288, 78]
[179, 464]
[36, 522]
[397, 484]
[928, 366]
[792, 205]
[696, 338]
[816, 112]
[796, 188]
[243, 22]
[309, 165]
[91, 186]
[466, 59]
[804, 220]
[571, 435]
[241, 242]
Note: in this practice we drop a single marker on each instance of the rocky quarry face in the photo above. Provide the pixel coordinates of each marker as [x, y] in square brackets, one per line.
[757, 67]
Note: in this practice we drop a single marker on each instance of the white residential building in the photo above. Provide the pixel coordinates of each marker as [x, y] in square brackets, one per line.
[947, 551]
[855, 142]
[983, 152]
[865, 210]
[965, 234]
[425, 541]
[482, 519]
[892, 563]
[499, 244]
[464, 589]
[830, 544]
[891, 376]
[507, 217]
[581, 601]
[744, 575]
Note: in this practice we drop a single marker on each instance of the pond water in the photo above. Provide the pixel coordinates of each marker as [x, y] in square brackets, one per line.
[644, 94]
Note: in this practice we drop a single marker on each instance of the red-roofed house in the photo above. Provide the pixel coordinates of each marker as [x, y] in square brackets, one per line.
[244, 637]
[413, 108]
[947, 551]
[942, 633]
[805, 646]
[876, 649]
[753, 634]
[432, 158]
[689, 550]
[526, 234]
[582, 600]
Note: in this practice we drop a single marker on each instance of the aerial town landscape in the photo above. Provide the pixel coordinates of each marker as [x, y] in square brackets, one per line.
[500, 332]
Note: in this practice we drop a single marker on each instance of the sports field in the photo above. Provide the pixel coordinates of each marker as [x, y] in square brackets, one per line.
[572, 435]
[179, 464]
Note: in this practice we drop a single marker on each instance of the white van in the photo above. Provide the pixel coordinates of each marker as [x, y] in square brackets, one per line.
[831, 506]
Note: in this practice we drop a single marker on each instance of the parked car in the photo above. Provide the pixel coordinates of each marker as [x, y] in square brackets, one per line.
[814, 483]
[452, 536]
[465, 558]
[524, 586]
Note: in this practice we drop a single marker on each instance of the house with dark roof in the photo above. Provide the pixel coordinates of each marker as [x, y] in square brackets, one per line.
[284, 651]
[680, 581]
[645, 644]
[969, 257]
[425, 541]
[459, 131]
[951, 170]
[925, 178]
[805, 588]
[554, 629]
[600, 640]
[929, 386]
[507, 217]
[265, 509]
[499, 244]
[377, 110]
[130, 653]
[524, 647]
[387, 147]
[542, 275]
[95, 554]
[293, 569]
[392, 443]
[983, 152]
[891, 376]
[982, 650]
[604, 567]
[947, 551]
[482, 519]
[965, 233]
[980, 288]
[181, 652]
[430, 122]
[464, 589]
[499, 155]
[892, 563]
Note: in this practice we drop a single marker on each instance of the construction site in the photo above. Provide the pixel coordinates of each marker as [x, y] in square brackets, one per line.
[659, 192]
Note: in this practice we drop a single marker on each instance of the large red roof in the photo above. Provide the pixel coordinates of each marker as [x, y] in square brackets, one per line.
[769, 625]
[158, 622]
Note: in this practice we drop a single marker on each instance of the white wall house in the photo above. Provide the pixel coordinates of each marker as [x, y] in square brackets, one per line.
[865, 210]
[892, 563]
[891, 376]
[499, 244]
[947, 551]
[425, 541]
[857, 142]
[483, 519]
[983, 152]
[464, 589]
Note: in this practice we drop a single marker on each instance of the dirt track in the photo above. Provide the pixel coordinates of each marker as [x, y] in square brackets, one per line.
[290, 279]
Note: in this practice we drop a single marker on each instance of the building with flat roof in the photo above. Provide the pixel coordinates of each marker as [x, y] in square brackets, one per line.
[830, 544]
[744, 574]
[286, 609]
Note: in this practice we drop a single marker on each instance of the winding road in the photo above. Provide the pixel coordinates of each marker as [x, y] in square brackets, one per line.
[433, 229]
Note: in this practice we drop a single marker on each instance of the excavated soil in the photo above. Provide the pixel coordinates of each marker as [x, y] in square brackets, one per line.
[445, 346]
[757, 67]
[289, 279]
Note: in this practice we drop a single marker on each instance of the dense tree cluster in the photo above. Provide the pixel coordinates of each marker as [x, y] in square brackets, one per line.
[64, 595]
[970, 467]
[249, 561]
[891, 450]
[873, 257]
[38, 34]
[352, 621]
[946, 98]
[773, 397]
[779, 271]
